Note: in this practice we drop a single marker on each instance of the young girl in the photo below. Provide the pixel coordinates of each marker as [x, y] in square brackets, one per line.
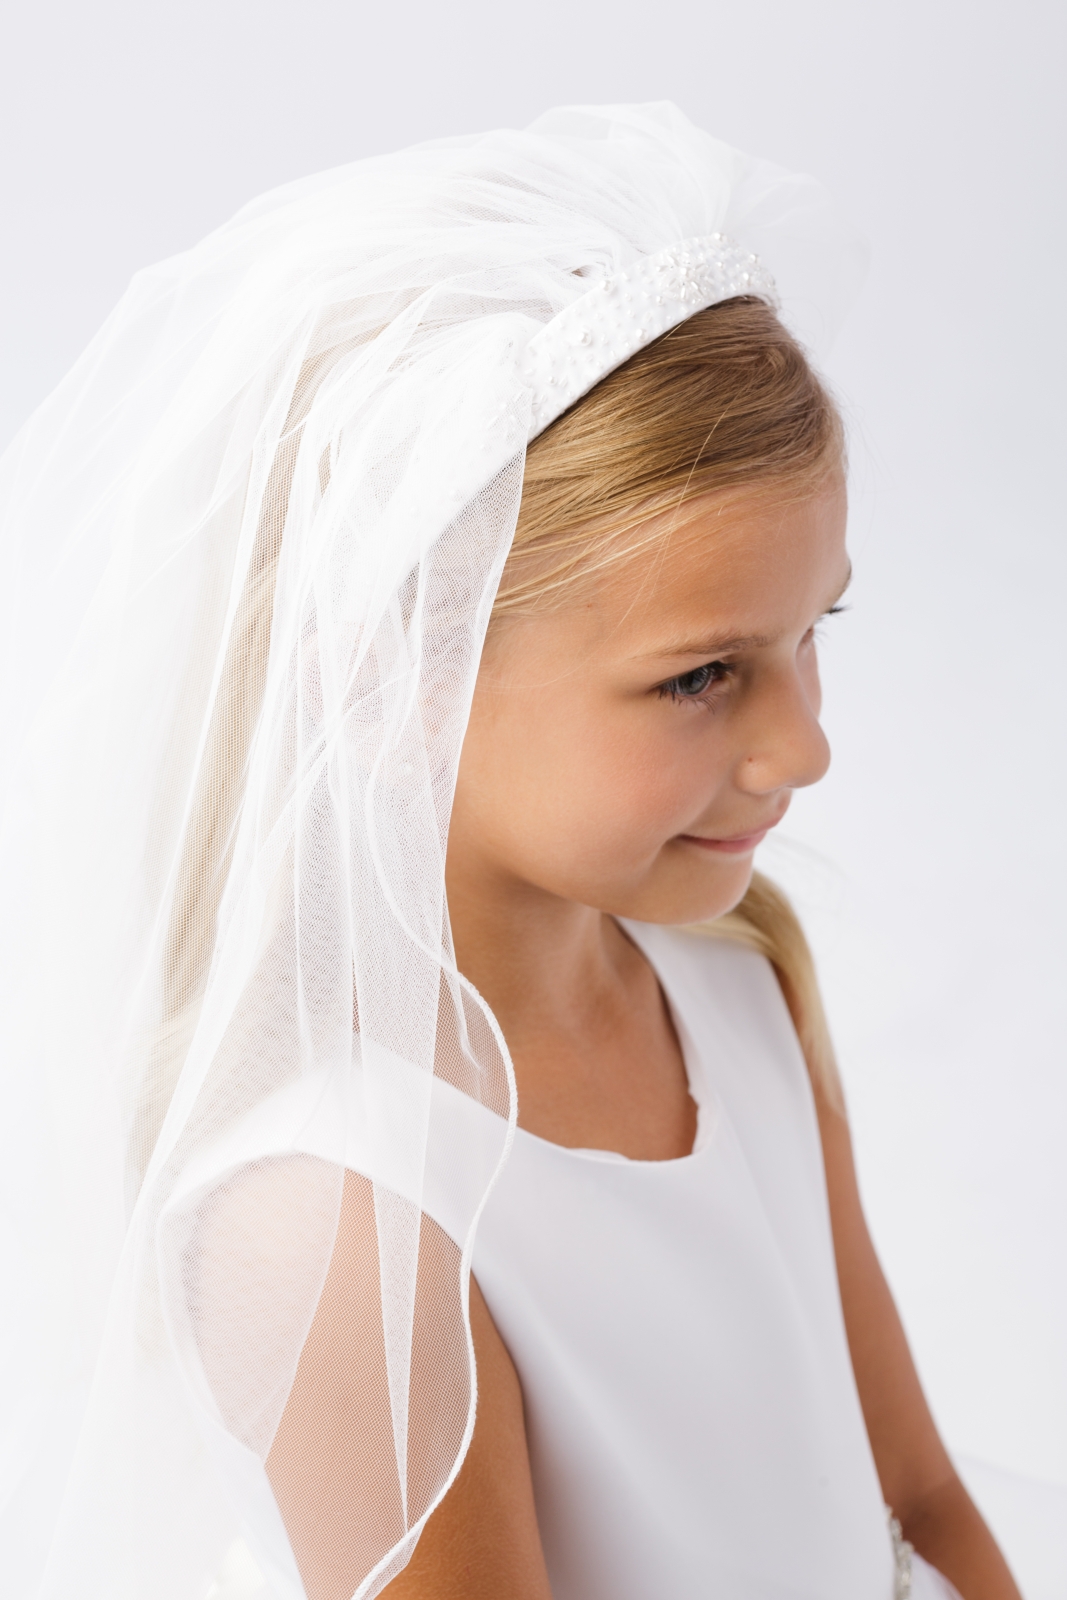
[421, 777]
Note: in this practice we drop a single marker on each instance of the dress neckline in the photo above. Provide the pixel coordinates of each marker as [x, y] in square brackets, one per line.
[709, 1109]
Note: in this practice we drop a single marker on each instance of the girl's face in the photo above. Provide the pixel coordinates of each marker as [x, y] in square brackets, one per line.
[629, 751]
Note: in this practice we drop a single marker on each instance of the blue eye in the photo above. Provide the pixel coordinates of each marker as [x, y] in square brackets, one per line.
[696, 684]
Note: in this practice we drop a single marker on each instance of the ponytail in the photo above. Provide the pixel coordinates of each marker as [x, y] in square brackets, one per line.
[764, 921]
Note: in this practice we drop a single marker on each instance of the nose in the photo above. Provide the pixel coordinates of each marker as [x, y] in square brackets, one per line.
[784, 746]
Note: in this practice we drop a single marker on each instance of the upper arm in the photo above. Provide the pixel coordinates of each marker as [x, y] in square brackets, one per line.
[333, 1463]
[916, 1473]
[482, 1542]
[911, 1459]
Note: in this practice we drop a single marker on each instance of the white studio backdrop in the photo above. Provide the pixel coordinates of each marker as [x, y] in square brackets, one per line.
[930, 865]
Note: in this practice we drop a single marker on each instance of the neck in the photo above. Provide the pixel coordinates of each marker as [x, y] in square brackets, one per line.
[544, 964]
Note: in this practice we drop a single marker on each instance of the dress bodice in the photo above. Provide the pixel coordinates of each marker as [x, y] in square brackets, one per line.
[694, 1425]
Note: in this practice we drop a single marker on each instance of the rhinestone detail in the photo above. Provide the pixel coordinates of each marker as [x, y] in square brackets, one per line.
[902, 1554]
[625, 311]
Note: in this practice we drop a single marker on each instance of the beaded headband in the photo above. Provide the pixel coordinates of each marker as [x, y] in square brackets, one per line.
[624, 312]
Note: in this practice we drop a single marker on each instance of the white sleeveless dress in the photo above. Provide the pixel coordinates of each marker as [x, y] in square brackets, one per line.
[694, 1427]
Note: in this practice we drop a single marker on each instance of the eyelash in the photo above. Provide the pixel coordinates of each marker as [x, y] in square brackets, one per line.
[834, 611]
[715, 674]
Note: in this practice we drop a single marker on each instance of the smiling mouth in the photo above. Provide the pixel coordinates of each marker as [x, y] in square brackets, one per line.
[737, 844]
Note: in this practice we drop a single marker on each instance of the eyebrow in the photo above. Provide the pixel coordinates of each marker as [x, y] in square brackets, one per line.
[723, 644]
[716, 644]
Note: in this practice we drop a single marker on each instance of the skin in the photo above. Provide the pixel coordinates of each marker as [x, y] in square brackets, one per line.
[615, 748]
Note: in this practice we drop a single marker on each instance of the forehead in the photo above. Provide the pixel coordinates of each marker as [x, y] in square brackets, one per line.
[746, 566]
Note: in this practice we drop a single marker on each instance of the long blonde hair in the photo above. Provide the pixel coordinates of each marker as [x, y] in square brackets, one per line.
[727, 401]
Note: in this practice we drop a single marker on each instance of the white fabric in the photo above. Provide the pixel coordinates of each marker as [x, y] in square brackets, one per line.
[248, 551]
[693, 1420]
[676, 1325]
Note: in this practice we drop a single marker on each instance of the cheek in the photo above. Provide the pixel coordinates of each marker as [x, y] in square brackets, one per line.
[609, 811]
[585, 802]
[603, 791]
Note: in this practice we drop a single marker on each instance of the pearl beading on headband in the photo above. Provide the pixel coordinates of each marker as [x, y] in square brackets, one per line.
[624, 312]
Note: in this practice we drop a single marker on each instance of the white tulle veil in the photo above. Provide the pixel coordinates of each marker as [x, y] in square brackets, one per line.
[250, 547]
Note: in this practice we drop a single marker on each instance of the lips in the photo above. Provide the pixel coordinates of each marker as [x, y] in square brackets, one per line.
[737, 844]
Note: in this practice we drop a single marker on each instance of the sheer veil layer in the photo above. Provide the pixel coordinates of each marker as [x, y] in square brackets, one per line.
[250, 547]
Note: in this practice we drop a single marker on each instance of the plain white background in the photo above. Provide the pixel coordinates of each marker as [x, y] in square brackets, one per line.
[930, 865]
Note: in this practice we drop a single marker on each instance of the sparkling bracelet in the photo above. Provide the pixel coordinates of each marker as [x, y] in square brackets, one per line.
[902, 1554]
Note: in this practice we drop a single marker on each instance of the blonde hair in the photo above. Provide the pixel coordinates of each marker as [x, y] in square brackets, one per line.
[764, 921]
[726, 402]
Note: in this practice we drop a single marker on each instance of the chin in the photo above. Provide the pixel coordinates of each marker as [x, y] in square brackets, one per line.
[704, 896]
